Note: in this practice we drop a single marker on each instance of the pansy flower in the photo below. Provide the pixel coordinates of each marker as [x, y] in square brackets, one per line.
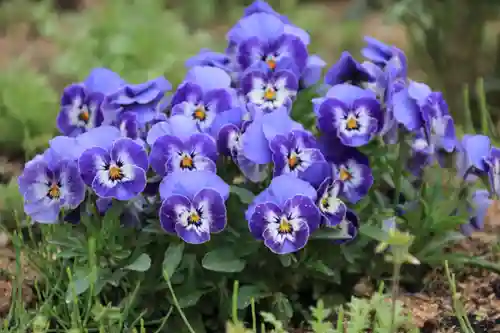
[284, 215]
[118, 173]
[270, 90]
[349, 226]
[80, 110]
[296, 153]
[230, 143]
[331, 206]
[347, 70]
[473, 151]
[386, 56]
[439, 123]
[351, 113]
[141, 99]
[407, 105]
[478, 210]
[493, 162]
[188, 151]
[350, 166]
[50, 185]
[193, 206]
[206, 97]
[263, 37]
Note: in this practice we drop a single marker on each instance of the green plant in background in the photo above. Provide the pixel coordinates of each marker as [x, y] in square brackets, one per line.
[28, 105]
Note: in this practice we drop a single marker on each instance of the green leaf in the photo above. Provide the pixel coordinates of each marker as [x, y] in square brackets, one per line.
[439, 243]
[286, 260]
[245, 295]
[283, 308]
[78, 287]
[331, 233]
[189, 299]
[222, 260]
[141, 264]
[245, 195]
[172, 258]
[373, 232]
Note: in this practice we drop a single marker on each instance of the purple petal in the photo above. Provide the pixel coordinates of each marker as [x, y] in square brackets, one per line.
[330, 205]
[208, 78]
[406, 110]
[263, 214]
[72, 183]
[284, 187]
[306, 210]
[178, 183]
[162, 150]
[327, 114]
[261, 25]
[212, 205]
[255, 145]
[169, 211]
[104, 81]
[313, 71]
[348, 93]
[129, 152]
[187, 91]
[90, 161]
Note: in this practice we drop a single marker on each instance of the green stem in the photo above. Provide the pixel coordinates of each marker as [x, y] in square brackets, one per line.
[396, 275]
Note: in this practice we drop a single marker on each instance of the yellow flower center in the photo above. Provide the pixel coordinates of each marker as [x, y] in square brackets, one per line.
[194, 218]
[84, 116]
[344, 175]
[293, 161]
[324, 203]
[115, 173]
[352, 123]
[186, 162]
[54, 191]
[270, 94]
[200, 113]
[285, 226]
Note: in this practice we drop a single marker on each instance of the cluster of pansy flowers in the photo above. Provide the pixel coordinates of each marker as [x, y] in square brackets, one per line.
[117, 136]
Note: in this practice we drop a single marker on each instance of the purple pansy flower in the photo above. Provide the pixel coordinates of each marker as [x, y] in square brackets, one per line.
[263, 37]
[349, 226]
[128, 125]
[80, 110]
[331, 206]
[472, 152]
[210, 58]
[195, 152]
[347, 70]
[349, 166]
[230, 143]
[422, 153]
[297, 153]
[103, 80]
[285, 215]
[141, 99]
[49, 185]
[385, 56]
[207, 98]
[353, 114]
[269, 90]
[407, 105]
[119, 172]
[439, 123]
[193, 207]
[478, 210]
[493, 162]
[255, 140]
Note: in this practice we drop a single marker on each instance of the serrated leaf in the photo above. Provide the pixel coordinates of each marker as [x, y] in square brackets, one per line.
[141, 264]
[172, 258]
[222, 260]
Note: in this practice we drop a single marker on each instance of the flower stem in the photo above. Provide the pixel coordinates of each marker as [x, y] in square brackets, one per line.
[396, 274]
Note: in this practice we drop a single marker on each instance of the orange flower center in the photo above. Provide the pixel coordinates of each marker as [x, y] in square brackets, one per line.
[293, 161]
[270, 94]
[84, 116]
[352, 123]
[54, 191]
[200, 113]
[186, 162]
[271, 63]
[115, 173]
[345, 175]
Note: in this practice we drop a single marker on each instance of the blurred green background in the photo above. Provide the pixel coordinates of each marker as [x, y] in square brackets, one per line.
[46, 44]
